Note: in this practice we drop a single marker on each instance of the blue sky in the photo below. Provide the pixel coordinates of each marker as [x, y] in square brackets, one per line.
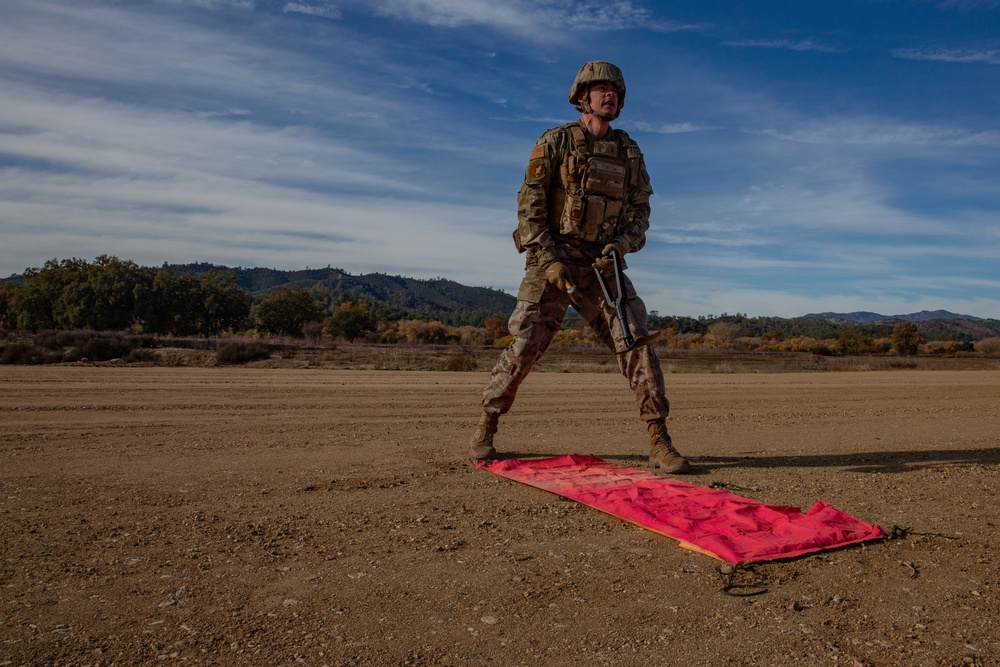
[806, 156]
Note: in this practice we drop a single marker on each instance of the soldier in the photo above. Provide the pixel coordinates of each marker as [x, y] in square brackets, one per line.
[584, 198]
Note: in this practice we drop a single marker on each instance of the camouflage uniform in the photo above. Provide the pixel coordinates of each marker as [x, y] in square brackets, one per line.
[583, 200]
[547, 231]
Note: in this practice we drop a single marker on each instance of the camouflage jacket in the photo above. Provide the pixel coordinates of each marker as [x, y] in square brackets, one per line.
[580, 194]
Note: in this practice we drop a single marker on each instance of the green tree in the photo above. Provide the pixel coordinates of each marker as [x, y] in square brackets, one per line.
[8, 295]
[34, 305]
[75, 294]
[906, 338]
[106, 299]
[284, 311]
[164, 303]
[350, 321]
[187, 305]
[225, 306]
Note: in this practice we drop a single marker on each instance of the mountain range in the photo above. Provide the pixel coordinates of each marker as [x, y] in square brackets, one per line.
[435, 297]
[864, 317]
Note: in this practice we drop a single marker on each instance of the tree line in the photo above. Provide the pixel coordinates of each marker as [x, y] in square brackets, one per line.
[110, 294]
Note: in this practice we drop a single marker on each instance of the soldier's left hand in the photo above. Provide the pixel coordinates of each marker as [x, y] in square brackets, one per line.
[606, 263]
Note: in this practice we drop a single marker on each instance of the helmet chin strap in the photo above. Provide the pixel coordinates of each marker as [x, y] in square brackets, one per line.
[586, 108]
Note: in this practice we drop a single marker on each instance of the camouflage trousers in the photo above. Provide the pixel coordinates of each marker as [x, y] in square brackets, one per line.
[538, 316]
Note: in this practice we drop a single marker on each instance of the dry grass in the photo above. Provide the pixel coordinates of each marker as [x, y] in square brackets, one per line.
[292, 353]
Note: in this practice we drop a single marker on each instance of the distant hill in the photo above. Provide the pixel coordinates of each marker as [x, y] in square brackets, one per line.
[932, 324]
[865, 317]
[426, 297]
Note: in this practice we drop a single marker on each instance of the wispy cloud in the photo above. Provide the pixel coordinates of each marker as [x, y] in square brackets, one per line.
[212, 4]
[967, 5]
[551, 19]
[323, 10]
[790, 45]
[986, 56]
[669, 128]
[883, 132]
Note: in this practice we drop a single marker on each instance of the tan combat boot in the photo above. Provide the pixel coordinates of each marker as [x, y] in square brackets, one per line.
[481, 442]
[662, 453]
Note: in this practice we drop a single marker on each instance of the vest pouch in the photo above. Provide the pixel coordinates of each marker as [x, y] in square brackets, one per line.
[605, 178]
[612, 220]
[594, 220]
[571, 222]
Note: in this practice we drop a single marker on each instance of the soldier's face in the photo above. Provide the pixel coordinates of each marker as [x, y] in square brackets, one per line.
[603, 98]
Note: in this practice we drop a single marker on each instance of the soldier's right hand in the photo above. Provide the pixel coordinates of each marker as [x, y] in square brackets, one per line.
[557, 274]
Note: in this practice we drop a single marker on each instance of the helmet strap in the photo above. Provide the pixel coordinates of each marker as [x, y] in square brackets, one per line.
[586, 108]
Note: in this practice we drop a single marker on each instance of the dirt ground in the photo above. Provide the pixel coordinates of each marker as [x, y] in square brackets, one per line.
[326, 517]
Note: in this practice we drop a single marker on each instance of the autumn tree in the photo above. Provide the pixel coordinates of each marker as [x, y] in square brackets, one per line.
[906, 338]
[350, 321]
[496, 327]
[724, 334]
[853, 341]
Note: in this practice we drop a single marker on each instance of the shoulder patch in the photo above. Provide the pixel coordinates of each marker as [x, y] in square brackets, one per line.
[538, 152]
[536, 169]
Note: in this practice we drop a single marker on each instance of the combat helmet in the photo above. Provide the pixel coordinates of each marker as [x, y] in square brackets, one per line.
[593, 72]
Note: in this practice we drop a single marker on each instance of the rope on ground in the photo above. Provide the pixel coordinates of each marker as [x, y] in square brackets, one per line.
[740, 589]
[729, 487]
[900, 533]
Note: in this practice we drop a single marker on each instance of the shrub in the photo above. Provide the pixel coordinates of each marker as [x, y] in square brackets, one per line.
[79, 344]
[105, 347]
[503, 342]
[462, 361]
[989, 346]
[241, 352]
[142, 354]
[21, 353]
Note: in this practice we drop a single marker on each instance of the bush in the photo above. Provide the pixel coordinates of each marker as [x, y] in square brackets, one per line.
[241, 352]
[21, 353]
[142, 354]
[53, 347]
[462, 361]
[105, 348]
[503, 342]
[989, 346]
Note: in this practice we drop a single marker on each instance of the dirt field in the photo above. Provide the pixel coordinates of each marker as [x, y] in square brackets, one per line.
[321, 517]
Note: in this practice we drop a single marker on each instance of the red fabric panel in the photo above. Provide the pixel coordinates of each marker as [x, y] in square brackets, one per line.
[713, 521]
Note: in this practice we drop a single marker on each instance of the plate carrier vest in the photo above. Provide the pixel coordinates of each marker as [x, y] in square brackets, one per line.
[589, 200]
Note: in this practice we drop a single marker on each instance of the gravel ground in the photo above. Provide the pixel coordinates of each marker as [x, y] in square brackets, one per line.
[304, 516]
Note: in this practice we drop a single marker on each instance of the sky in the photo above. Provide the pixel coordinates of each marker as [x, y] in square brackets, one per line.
[806, 156]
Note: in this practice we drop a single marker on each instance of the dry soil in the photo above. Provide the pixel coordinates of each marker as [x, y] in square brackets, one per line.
[322, 517]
